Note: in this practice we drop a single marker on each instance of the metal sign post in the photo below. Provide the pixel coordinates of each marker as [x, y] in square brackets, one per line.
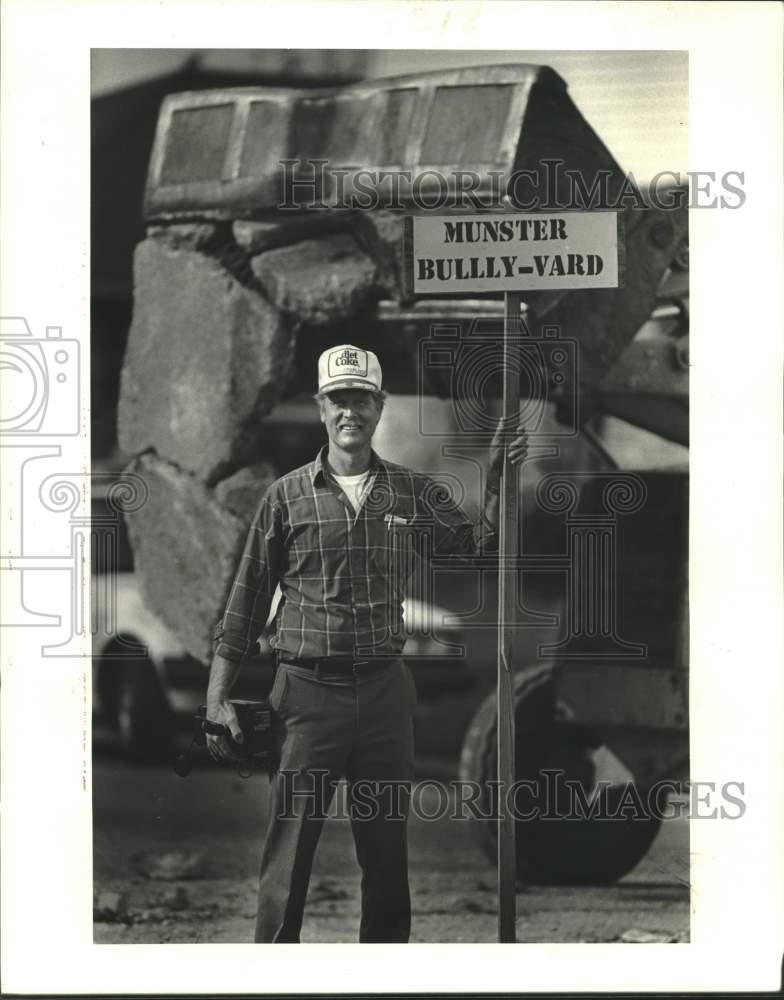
[510, 252]
[507, 602]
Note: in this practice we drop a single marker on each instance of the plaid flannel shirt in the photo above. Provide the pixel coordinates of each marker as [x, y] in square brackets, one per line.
[342, 574]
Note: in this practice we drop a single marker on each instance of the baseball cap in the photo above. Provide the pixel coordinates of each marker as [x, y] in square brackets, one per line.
[348, 367]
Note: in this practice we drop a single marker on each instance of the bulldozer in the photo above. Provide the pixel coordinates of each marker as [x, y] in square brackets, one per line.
[601, 665]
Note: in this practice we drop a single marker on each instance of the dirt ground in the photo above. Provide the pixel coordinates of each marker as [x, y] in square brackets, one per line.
[176, 860]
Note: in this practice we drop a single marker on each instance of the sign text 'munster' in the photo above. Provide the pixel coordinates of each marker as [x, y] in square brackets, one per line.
[512, 252]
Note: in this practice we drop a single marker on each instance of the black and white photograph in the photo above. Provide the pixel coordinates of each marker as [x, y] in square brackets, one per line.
[411, 572]
[258, 261]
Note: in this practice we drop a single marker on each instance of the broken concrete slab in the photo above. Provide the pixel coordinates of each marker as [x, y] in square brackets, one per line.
[186, 548]
[190, 236]
[256, 236]
[110, 907]
[318, 282]
[206, 358]
[380, 234]
[242, 492]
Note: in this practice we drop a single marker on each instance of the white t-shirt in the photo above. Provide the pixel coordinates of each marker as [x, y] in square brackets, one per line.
[354, 487]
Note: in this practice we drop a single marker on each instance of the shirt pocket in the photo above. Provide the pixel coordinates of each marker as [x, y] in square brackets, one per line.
[392, 552]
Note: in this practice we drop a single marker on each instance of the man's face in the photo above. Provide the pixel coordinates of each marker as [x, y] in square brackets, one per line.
[350, 417]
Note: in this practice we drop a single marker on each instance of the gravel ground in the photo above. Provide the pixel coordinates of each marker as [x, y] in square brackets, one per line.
[176, 861]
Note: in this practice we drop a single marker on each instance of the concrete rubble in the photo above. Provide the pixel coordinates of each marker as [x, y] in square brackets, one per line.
[318, 282]
[256, 236]
[226, 284]
[171, 866]
[206, 359]
[186, 545]
[110, 907]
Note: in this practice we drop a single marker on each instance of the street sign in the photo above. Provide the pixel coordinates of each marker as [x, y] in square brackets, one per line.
[512, 252]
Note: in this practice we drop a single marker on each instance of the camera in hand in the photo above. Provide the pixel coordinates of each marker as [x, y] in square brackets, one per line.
[256, 722]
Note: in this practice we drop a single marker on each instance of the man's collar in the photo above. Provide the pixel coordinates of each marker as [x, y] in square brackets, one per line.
[319, 469]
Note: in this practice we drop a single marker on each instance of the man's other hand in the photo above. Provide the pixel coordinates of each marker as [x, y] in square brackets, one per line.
[515, 438]
[222, 712]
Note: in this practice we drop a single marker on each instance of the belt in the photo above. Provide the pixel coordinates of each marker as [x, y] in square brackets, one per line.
[339, 664]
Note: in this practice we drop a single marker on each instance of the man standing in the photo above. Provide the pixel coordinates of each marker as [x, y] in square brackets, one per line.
[336, 535]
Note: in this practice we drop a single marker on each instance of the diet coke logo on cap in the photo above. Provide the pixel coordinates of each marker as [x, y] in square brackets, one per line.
[347, 361]
[348, 367]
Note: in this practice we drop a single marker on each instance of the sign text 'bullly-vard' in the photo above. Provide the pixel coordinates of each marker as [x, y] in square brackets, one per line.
[506, 252]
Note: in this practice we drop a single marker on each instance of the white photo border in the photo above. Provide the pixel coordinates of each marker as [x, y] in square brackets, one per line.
[735, 122]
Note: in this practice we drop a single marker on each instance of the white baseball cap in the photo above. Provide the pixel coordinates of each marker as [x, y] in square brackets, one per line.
[348, 367]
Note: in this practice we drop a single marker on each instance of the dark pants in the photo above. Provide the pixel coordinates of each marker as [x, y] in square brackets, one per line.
[359, 726]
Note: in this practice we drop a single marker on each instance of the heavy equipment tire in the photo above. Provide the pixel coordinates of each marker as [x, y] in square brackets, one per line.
[580, 850]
